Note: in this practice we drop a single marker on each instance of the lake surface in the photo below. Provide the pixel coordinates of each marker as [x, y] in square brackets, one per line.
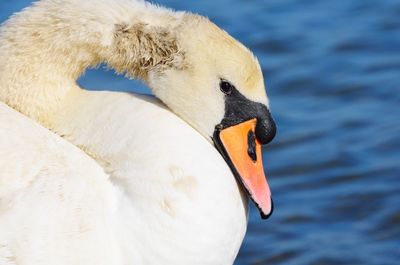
[332, 71]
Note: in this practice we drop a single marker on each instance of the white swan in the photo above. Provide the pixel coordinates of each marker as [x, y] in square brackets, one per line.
[130, 183]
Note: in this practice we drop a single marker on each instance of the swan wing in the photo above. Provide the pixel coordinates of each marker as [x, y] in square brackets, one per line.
[178, 192]
[54, 199]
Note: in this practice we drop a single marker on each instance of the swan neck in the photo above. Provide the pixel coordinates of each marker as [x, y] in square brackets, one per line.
[47, 47]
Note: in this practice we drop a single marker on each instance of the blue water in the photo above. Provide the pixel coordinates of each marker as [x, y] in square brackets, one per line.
[332, 71]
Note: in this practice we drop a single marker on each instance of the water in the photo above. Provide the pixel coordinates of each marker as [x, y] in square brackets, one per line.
[332, 70]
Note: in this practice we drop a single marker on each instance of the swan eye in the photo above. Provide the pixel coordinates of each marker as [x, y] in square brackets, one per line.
[226, 87]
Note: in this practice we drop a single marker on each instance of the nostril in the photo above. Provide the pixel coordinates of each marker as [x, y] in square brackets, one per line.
[265, 130]
[251, 146]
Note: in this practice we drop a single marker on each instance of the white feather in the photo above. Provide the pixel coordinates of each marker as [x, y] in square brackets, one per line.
[119, 179]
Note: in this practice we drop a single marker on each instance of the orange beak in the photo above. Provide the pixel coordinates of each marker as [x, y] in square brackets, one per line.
[242, 151]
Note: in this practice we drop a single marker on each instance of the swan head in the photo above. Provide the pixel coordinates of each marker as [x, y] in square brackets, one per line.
[215, 84]
[216, 80]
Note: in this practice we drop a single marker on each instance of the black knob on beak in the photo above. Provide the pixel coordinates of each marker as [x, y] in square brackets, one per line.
[266, 127]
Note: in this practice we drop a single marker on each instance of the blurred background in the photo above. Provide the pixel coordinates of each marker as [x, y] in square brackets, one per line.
[332, 71]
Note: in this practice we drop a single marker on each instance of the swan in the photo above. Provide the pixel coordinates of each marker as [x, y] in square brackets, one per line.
[96, 177]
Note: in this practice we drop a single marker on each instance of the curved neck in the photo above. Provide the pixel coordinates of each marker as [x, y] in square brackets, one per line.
[45, 48]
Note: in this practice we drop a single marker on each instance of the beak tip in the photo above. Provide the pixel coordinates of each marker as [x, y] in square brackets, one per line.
[264, 215]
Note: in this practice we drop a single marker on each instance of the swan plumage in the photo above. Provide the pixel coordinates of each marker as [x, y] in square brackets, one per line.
[115, 210]
[116, 178]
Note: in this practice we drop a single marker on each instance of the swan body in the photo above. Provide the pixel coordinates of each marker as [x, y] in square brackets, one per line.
[115, 178]
[116, 214]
